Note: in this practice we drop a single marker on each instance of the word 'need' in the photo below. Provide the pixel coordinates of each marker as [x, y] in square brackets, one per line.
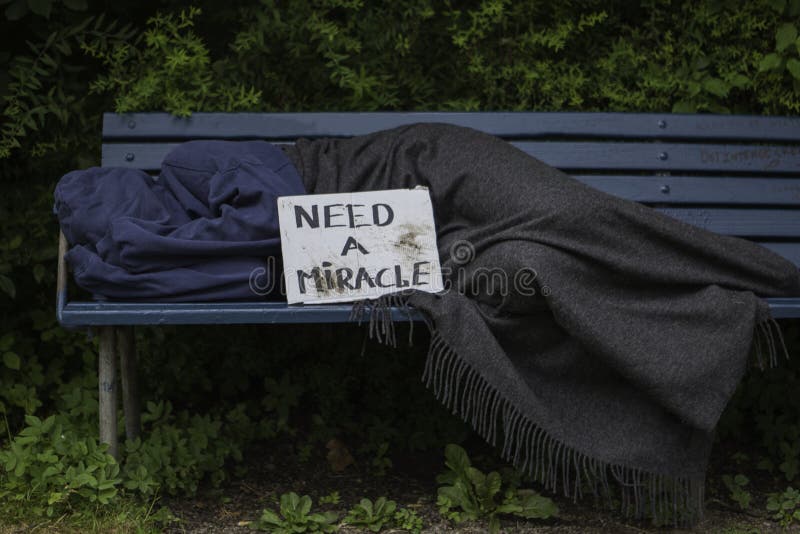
[344, 215]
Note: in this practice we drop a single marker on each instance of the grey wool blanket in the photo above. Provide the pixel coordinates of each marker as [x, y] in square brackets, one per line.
[595, 340]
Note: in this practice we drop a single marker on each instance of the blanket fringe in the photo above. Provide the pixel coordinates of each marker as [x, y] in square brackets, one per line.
[535, 452]
[531, 449]
[768, 339]
[379, 315]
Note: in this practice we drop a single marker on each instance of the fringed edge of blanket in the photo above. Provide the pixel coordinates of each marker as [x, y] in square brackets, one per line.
[379, 316]
[766, 332]
[531, 449]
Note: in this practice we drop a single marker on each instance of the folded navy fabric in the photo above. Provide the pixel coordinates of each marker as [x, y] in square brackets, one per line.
[197, 232]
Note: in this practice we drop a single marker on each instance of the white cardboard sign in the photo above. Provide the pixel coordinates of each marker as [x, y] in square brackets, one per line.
[352, 246]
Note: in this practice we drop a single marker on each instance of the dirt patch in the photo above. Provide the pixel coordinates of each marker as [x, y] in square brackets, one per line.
[275, 469]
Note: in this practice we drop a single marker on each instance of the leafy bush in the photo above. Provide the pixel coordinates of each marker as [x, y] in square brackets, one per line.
[49, 468]
[177, 452]
[172, 71]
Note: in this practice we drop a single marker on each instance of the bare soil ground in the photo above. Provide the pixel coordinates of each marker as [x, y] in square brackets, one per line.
[411, 483]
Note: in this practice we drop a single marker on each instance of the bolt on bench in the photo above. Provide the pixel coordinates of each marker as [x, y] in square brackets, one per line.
[734, 175]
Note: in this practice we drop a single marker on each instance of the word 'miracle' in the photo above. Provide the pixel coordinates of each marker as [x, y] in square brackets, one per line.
[327, 279]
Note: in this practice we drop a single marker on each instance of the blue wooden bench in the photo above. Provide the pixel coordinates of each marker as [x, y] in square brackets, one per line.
[735, 175]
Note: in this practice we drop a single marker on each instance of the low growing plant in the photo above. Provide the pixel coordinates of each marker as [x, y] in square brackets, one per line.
[406, 519]
[177, 452]
[736, 485]
[381, 463]
[785, 507]
[383, 513]
[373, 516]
[332, 498]
[295, 516]
[49, 469]
[466, 493]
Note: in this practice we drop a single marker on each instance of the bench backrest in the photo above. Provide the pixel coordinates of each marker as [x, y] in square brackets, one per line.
[735, 175]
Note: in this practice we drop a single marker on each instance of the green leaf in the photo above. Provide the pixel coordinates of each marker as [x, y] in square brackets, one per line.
[701, 63]
[457, 458]
[739, 81]
[769, 62]
[777, 5]
[793, 66]
[41, 7]
[494, 524]
[17, 10]
[684, 106]
[535, 506]
[50, 471]
[76, 5]
[11, 360]
[715, 86]
[785, 36]
[693, 88]
[39, 272]
[6, 341]
[270, 517]
[305, 505]
[493, 484]
[7, 286]
[33, 421]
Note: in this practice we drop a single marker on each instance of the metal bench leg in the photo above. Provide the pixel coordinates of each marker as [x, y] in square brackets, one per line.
[107, 383]
[126, 343]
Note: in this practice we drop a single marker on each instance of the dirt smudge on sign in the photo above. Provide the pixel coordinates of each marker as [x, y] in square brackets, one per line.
[407, 242]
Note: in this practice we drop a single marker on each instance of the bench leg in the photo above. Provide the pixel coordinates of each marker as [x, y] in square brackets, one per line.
[126, 343]
[107, 383]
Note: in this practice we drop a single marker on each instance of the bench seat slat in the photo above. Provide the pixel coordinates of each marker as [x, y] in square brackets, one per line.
[503, 124]
[89, 313]
[784, 308]
[569, 156]
[109, 313]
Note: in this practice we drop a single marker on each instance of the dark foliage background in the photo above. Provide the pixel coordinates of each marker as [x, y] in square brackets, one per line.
[214, 391]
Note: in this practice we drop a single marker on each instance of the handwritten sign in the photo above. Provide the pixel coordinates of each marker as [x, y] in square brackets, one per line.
[353, 246]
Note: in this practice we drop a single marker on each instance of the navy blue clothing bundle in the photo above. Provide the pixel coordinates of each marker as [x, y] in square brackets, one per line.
[196, 233]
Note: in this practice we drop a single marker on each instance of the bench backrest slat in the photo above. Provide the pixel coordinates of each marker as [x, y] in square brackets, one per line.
[677, 189]
[583, 156]
[501, 124]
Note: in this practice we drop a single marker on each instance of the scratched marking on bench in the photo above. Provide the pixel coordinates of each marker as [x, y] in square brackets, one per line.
[774, 122]
[791, 191]
[769, 157]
